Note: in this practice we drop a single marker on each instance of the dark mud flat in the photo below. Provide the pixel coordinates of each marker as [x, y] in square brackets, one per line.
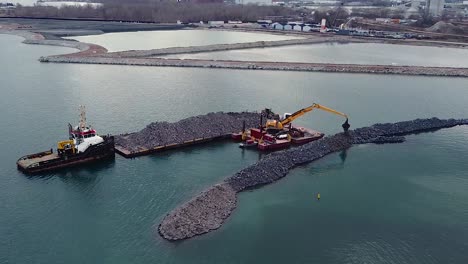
[209, 210]
[159, 136]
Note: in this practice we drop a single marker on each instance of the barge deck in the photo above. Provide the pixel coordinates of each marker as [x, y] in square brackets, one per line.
[141, 150]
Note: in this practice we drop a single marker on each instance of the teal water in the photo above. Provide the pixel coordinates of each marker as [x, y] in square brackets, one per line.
[146, 40]
[403, 203]
[354, 53]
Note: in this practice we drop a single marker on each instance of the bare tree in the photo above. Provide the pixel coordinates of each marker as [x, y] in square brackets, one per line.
[155, 11]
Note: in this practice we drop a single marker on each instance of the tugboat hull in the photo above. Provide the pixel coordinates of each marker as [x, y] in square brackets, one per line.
[48, 161]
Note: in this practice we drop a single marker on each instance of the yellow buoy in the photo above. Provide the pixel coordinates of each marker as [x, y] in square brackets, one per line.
[318, 196]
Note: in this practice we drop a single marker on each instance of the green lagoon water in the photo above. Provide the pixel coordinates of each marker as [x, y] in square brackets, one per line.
[401, 203]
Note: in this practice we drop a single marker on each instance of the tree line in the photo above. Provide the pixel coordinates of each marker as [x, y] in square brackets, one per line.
[160, 12]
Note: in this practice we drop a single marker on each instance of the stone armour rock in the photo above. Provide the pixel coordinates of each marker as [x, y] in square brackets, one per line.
[202, 126]
[202, 214]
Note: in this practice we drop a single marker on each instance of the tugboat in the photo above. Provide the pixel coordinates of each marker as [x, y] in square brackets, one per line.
[83, 146]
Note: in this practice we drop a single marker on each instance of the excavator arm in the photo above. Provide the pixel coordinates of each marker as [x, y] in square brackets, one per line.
[303, 111]
[345, 125]
[324, 108]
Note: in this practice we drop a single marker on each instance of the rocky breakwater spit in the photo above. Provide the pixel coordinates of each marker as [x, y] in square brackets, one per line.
[209, 210]
[262, 65]
[212, 125]
[233, 46]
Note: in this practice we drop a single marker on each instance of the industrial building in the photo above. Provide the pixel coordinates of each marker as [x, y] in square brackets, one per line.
[435, 7]
[254, 2]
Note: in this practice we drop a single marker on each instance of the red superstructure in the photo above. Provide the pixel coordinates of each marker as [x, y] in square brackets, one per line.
[269, 142]
[279, 133]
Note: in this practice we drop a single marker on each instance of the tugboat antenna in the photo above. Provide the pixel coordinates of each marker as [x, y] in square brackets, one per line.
[82, 125]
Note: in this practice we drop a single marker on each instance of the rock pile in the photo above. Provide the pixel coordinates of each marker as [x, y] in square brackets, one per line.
[202, 126]
[208, 210]
[185, 222]
[276, 165]
[446, 28]
[372, 133]
[383, 140]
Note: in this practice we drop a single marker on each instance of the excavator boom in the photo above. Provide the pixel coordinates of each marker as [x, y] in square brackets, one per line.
[303, 111]
[324, 108]
[308, 109]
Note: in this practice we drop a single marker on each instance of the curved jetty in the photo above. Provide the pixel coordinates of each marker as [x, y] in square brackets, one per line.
[159, 136]
[208, 210]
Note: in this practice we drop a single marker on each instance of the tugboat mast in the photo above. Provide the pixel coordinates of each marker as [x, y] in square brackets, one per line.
[82, 124]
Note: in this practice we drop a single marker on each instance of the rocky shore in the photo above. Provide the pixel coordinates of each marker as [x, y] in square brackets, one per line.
[208, 210]
[202, 126]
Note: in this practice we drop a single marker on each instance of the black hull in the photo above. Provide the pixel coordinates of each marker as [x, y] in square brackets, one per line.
[94, 153]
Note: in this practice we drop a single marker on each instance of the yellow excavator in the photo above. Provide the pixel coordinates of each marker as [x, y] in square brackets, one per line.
[279, 125]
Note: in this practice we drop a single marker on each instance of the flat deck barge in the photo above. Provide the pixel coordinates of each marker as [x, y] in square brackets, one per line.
[141, 151]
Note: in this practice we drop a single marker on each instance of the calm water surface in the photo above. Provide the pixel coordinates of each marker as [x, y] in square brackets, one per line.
[146, 40]
[23, 2]
[354, 53]
[402, 203]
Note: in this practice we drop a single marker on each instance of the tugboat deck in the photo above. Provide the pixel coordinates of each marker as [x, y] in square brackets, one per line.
[29, 161]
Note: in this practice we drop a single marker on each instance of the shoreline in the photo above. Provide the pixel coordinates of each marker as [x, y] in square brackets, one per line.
[34, 38]
[89, 53]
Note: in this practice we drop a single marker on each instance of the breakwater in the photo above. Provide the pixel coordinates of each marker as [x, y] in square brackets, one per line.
[233, 46]
[160, 136]
[208, 210]
[95, 54]
[263, 65]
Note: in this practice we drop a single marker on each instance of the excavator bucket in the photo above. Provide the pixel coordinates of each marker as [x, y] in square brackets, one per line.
[346, 125]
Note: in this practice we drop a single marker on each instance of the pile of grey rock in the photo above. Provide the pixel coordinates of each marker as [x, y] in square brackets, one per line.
[202, 126]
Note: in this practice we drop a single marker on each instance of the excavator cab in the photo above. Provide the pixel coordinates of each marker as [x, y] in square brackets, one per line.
[273, 126]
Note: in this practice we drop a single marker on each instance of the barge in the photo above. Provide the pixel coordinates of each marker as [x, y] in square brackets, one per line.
[265, 141]
[83, 146]
[279, 133]
[141, 151]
